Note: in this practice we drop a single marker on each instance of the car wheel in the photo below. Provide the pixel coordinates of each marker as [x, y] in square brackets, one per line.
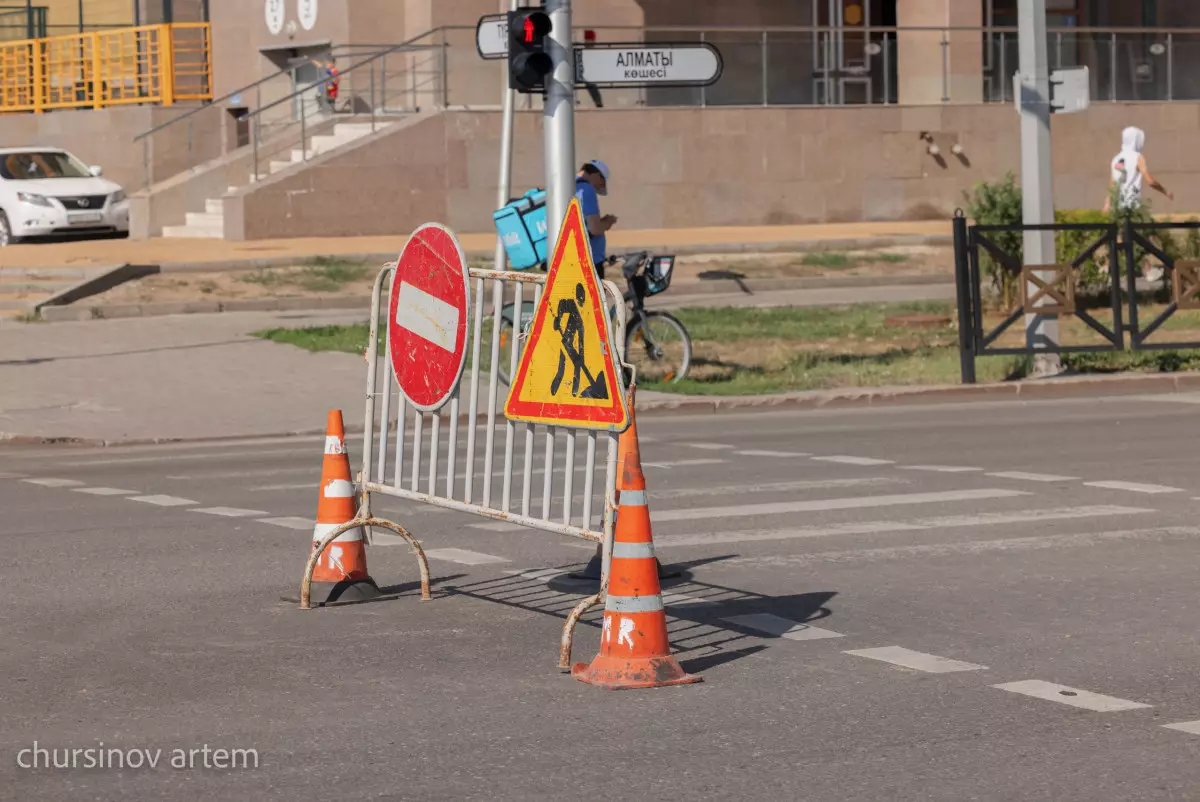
[6, 237]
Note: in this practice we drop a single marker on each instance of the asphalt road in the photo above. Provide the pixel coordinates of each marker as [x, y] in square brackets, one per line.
[975, 602]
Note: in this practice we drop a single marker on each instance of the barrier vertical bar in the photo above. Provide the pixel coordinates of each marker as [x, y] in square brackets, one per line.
[473, 406]
[765, 77]
[887, 70]
[386, 413]
[434, 443]
[589, 473]
[39, 76]
[569, 479]
[527, 486]
[98, 73]
[548, 480]
[610, 509]
[401, 437]
[372, 365]
[415, 475]
[510, 427]
[452, 445]
[490, 436]
[962, 281]
[166, 59]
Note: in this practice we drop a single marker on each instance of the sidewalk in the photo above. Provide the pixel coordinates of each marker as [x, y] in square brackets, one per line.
[95, 253]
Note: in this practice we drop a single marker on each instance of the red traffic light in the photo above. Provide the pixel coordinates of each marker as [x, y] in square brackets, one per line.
[530, 26]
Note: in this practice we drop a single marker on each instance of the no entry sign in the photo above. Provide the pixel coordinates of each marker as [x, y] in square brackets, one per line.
[427, 317]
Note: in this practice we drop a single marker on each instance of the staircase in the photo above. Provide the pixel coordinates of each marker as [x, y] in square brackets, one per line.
[210, 224]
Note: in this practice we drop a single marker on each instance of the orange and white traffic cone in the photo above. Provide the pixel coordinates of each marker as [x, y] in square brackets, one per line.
[340, 574]
[634, 649]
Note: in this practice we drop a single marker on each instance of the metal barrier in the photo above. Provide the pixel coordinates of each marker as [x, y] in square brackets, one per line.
[159, 64]
[427, 471]
[1101, 267]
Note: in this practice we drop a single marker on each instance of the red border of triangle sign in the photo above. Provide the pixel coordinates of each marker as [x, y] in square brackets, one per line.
[568, 374]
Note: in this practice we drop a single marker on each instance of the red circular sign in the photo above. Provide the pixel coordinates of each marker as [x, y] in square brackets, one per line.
[427, 317]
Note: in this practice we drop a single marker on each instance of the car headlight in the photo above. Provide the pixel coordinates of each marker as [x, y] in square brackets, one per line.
[116, 197]
[34, 200]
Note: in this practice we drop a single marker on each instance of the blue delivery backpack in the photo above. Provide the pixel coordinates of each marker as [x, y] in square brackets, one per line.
[521, 224]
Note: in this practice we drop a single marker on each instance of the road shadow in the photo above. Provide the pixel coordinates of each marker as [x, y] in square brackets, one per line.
[727, 275]
[69, 357]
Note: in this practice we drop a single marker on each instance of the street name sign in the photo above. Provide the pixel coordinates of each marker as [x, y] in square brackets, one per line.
[427, 317]
[491, 36]
[648, 64]
[568, 375]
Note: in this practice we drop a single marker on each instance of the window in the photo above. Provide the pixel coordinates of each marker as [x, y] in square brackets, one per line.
[44, 164]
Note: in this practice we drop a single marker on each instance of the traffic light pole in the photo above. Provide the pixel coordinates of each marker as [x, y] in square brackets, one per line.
[558, 117]
[506, 149]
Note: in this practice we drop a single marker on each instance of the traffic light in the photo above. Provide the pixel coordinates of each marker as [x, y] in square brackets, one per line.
[528, 61]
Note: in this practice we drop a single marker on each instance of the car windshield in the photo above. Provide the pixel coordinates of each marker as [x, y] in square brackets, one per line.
[44, 164]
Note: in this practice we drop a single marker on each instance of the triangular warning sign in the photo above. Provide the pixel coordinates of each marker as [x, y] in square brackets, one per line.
[567, 375]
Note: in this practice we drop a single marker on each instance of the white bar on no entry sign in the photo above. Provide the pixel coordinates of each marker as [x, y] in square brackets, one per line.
[427, 316]
[647, 64]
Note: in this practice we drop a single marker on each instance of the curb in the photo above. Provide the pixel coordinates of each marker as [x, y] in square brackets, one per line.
[700, 289]
[1033, 390]
[784, 246]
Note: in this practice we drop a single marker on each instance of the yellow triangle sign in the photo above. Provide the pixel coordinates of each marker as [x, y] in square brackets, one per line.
[568, 374]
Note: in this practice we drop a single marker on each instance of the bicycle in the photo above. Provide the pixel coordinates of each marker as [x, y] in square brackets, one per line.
[656, 343]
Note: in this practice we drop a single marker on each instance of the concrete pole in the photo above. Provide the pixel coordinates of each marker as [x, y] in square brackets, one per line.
[558, 118]
[506, 146]
[1037, 170]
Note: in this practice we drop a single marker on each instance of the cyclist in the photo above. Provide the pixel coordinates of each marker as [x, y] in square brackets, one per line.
[590, 183]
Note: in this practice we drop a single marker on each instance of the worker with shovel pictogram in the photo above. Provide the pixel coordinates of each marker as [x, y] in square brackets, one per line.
[568, 322]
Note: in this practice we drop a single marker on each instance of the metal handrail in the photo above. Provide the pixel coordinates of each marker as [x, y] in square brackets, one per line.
[872, 28]
[221, 99]
[403, 47]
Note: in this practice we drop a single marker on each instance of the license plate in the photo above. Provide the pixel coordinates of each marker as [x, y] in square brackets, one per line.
[85, 217]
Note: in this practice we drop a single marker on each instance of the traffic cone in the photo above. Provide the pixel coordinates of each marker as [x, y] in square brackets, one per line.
[627, 448]
[634, 649]
[341, 573]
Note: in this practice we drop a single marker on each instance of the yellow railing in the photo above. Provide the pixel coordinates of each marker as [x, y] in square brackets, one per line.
[151, 64]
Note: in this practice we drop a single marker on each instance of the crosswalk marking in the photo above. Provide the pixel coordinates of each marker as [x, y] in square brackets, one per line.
[779, 627]
[53, 482]
[918, 661]
[289, 523]
[463, 556]
[164, 501]
[780, 454]
[855, 460]
[1190, 727]
[1053, 692]
[940, 468]
[683, 463]
[773, 487]
[1033, 477]
[833, 504]
[230, 512]
[497, 526]
[887, 527]
[1134, 487]
[709, 446]
[103, 491]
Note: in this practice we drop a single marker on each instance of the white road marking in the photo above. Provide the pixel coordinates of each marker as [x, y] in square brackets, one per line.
[289, 523]
[539, 573]
[683, 463]
[10, 475]
[969, 548]
[1190, 727]
[297, 486]
[774, 487]
[708, 446]
[1134, 487]
[104, 491]
[1033, 477]
[224, 454]
[1053, 692]
[779, 627]
[884, 527]
[680, 599]
[230, 512]
[164, 501]
[918, 661]
[497, 526]
[939, 468]
[780, 454]
[856, 460]
[427, 316]
[860, 502]
[463, 556]
[53, 482]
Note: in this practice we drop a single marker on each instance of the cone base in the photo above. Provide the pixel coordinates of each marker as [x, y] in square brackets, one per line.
[345, 592]
[646, 672]
[591, 571]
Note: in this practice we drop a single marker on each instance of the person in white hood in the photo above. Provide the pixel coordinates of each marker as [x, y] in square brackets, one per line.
[1129, 172]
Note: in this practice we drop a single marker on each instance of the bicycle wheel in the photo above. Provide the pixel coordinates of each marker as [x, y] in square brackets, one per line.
[659, 347]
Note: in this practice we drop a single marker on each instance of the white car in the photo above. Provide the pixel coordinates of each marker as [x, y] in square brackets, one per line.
[45, 191]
